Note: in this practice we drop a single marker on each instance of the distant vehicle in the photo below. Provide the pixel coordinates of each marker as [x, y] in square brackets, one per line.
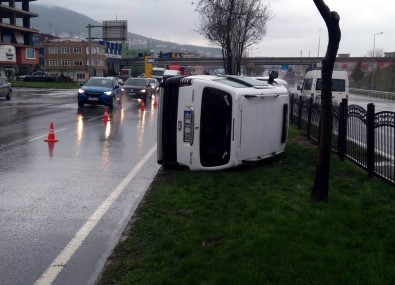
[312, 85]
[100, 91]
[219, 71]
[5, 89]
[138, 87]
[170, 73]
[120, 81]
[157, 72]
[155, 84]
[38, 75]
[184, 70]
[209, 122]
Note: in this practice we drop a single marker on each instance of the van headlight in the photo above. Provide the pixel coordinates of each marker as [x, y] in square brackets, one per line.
[142, 90]
[108, 93]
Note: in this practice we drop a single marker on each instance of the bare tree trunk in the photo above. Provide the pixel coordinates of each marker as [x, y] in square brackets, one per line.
[321, 179]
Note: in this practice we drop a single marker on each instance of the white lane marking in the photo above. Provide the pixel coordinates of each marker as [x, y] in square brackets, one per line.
[43, 136]
[64, 256]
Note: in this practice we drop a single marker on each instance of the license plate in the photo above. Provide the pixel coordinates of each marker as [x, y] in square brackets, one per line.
[187, 125]
[93, 99]
[132, 93]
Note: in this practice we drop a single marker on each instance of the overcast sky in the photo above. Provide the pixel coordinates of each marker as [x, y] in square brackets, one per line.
[294, 29]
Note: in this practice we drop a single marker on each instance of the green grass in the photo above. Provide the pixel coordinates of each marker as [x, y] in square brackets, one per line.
[55, 85]
[257, 225]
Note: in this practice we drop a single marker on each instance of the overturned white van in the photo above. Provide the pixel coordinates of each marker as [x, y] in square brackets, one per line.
[217, 122]
[312, 85]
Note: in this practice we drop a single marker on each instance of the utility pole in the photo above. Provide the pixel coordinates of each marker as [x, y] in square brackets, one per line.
[90, 38]
[90, 50]
[374, 42]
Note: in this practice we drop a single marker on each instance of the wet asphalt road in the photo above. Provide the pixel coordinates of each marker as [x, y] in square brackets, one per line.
[89, 182]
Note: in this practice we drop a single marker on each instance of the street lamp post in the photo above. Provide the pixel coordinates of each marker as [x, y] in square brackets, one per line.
[374, 44]
[319, 41]
[90, 38]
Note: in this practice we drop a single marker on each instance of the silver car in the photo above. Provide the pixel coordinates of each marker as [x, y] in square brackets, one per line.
[155, 84]
[5, 89]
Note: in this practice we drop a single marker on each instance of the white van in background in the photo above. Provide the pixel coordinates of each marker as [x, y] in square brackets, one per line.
[157, 72]
[170, 73]
[312, 85]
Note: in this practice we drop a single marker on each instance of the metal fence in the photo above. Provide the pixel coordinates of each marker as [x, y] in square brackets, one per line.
[364, 137]
[373, 93]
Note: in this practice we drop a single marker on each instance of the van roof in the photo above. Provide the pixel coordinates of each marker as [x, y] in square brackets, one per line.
[335, 74]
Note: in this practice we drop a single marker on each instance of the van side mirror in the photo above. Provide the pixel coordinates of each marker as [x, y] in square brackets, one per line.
[272, 75]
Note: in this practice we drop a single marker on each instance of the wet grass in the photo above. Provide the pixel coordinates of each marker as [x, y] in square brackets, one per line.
[257, 225]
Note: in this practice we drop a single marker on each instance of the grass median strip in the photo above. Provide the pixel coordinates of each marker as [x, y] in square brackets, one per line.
[256, 225]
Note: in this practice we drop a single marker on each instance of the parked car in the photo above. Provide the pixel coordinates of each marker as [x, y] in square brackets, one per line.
[38, 75]
[138, 87]
[100, 91]
[5, 89]
[155, 84]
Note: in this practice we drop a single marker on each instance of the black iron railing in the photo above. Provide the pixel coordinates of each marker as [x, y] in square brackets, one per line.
[364, 137]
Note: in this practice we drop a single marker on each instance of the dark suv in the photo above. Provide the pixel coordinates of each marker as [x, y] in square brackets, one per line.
[138, 87]
[100, 91]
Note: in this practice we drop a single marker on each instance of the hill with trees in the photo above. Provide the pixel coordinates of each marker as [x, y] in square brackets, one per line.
[66, 23]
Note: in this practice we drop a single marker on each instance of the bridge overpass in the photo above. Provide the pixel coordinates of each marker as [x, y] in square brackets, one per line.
[216, 61]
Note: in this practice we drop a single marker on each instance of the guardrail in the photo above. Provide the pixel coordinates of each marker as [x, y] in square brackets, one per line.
[373, 93]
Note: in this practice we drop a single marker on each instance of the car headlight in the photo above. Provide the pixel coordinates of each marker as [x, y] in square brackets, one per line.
[81, 91]
[108, 92]
[143, 90]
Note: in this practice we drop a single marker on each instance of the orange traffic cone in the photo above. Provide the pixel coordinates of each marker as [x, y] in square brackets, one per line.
[155, 102]
[51, 134]
[106, 117]
[142, 107]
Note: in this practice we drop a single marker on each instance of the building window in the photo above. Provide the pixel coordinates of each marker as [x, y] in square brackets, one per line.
[53, 62]
[53, 50]
[77, 49]
[30, 53]
[80, 75]
[78, 62]
[65, 62]
[64, 50]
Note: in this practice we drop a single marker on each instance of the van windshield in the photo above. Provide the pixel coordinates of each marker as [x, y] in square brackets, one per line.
[157, 72]
[338, 85]
[215, 127]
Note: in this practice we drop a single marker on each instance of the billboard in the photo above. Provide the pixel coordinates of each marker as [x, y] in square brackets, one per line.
[7, 53]
[115, 30]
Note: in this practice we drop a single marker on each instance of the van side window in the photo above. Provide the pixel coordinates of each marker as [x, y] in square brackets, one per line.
[307, 83]
[338, 85]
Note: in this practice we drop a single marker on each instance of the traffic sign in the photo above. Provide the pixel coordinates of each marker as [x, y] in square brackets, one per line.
[151, 60]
